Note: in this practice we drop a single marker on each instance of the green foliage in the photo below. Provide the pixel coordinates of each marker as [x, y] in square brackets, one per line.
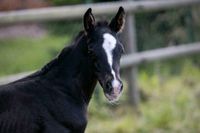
[164, 28]
[68, 28]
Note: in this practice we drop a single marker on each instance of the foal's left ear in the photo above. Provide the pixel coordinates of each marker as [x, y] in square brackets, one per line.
[117, 23]
[89, 21]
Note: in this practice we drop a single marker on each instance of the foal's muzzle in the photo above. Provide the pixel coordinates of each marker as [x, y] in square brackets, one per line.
[113, 89]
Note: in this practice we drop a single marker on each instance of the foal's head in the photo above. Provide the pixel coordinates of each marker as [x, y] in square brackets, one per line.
[105, 50]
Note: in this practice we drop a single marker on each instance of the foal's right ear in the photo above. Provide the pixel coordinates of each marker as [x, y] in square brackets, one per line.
[89, 21]
[117, 23]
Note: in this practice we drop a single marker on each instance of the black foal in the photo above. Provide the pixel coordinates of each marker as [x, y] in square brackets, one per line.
[55, 99]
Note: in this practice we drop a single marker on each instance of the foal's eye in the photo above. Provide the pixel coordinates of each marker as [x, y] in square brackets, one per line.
[91, 54]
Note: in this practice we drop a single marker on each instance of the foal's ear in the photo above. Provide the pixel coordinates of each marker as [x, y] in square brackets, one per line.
[89, 20]
[117, 23]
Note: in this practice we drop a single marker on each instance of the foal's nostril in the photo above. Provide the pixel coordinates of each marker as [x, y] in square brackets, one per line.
[121, 87]
[108, 87]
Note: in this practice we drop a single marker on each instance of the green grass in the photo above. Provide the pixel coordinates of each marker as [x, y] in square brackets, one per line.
[25, 54]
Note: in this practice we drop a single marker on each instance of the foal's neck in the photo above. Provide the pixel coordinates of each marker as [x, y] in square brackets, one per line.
[74, 71]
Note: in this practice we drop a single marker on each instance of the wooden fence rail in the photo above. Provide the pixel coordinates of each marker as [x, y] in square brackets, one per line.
[160, 54]
[76, 11]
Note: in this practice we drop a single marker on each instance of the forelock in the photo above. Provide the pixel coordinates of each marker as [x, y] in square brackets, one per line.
[102, 23]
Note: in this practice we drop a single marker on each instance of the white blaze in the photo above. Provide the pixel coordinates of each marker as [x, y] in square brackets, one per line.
[109, 45]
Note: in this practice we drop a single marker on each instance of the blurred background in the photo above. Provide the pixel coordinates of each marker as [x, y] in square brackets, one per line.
[159, 97]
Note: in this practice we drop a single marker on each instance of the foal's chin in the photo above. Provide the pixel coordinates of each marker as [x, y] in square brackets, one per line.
[112, 98]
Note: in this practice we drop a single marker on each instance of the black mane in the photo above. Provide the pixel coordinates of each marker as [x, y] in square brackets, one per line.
[102, 23]
[64, 53]
[53, 63]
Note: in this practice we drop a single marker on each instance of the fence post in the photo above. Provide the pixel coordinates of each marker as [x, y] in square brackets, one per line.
[129, 38]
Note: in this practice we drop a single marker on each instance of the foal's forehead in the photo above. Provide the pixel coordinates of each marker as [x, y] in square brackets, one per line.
[109, 45]
[109, 40]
